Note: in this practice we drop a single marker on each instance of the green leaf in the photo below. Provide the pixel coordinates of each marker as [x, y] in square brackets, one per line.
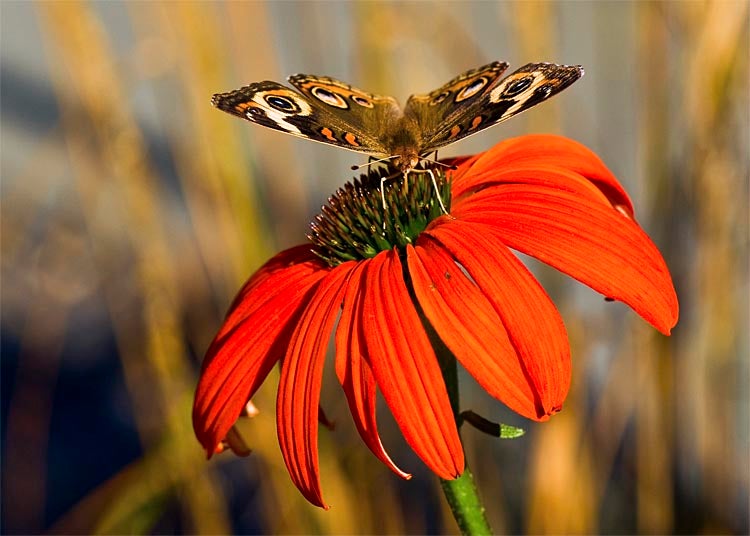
[503, 431]
[510, 432]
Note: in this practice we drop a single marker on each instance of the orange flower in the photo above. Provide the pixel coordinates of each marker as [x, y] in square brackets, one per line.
[545, 196]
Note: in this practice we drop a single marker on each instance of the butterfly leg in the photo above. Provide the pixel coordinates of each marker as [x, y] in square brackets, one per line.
[434, 185]
[382, 192]
[382, 186]
[437, 191]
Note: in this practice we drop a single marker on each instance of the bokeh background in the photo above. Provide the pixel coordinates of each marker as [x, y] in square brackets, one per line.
[132, 211]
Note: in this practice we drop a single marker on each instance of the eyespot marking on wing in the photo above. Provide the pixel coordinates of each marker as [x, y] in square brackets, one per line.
[253, 110]
[285, 101]
[278, 105]
[472, 89]
[306, 84]
[517, 86]
[331, 98]
[282, 104]
[437, 99]
[362, 101]
[545, 90]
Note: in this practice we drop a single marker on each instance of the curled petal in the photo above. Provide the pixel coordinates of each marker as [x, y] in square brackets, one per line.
[596, 245]
[406, 368]
[469, 326]
[241, 356]
[299, 387]
[540, 150]
[354, 373]
[530, 318]
[547, 176]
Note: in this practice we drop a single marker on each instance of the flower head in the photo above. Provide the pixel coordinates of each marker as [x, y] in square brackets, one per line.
[378, 271]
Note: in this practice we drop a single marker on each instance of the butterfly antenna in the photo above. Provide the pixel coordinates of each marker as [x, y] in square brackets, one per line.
[371, 162]
[439, 163]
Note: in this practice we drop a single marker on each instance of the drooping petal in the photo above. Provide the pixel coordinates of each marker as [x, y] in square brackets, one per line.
[548, 176]
[299, 386]
[240, 358]
[594, 244]
[469, 326]
[540, 150]
[530, 318]
[354, 372]
[406, 368]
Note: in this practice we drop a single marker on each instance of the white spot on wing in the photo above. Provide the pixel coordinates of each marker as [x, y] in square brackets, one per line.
[521, 98]
[280, 117]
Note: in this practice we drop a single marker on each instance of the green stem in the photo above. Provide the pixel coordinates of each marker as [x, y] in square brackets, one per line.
[465, 504]
[460, 493]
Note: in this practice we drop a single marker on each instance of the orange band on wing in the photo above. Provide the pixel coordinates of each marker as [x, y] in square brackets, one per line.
[327, 133]
[351, 139]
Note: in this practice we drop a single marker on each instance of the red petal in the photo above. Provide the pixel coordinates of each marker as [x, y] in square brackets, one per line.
[240, 358]
[540, 150]
[549, 176]
[299, 387]
[533, 324]
[354, 373]
[469, 326]
[406, 369]
[287, 268]
[592, 243]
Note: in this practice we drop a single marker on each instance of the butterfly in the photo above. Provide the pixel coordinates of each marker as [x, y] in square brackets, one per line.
[333, 112]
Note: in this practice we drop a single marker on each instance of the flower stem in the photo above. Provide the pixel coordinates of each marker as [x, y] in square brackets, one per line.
[465, 504]
[461, 493]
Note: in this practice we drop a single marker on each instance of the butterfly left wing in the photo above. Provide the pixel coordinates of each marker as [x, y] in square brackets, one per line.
[326, 117]
[463, 116]
[367, 115]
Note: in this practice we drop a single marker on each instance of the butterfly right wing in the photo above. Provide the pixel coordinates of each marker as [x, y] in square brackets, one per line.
[453, 100]
[276, 106]
[465, 115]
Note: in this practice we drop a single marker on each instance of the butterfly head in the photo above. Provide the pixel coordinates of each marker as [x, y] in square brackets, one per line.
[406, 158]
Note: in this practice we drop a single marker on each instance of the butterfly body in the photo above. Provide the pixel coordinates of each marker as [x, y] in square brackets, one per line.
[329, 111]
[403, 140]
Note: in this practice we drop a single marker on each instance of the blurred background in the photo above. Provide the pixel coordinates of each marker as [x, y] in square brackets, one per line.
[132, 211]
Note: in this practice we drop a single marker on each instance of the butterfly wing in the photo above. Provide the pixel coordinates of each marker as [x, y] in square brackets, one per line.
[353, 110]
[432, 111]
[326, 117]
[467, 105]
